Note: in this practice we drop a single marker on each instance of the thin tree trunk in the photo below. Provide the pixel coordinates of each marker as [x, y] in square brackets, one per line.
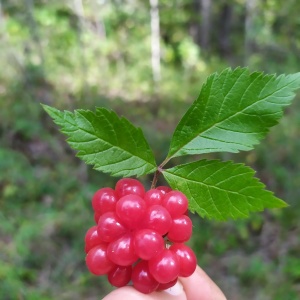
[79, 11]
[224, 30]
[195, 26]
[249, 25]
[100, 25]
[205, 23]
[155, 40]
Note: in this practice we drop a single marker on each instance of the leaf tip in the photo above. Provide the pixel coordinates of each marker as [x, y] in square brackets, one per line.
[51, 111]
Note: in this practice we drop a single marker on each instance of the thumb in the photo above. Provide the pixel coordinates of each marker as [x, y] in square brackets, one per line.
[200, 287]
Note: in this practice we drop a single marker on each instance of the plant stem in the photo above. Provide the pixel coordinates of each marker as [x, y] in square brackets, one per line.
[156, 174]
[164, 163]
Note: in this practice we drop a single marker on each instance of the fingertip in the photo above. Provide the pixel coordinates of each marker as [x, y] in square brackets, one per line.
[201, 287]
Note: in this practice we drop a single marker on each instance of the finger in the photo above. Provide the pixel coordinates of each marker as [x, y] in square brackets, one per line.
[126, 292]
[175, 293]
[200, 287]
[196, 287]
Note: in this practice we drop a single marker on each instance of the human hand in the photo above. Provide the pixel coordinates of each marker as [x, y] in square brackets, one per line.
[198, 286]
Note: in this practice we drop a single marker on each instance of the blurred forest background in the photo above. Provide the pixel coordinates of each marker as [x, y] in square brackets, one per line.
[147, 60]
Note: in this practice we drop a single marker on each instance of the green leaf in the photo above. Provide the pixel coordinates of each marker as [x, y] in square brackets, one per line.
[221, 190]
[234, 110]
[112, 144]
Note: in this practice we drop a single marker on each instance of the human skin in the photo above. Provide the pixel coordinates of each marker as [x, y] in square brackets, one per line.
[198, 286]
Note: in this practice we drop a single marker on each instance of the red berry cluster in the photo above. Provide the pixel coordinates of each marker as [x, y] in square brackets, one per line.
[140, 236]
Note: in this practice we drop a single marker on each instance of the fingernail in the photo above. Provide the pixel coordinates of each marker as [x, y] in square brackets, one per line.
[175, 290]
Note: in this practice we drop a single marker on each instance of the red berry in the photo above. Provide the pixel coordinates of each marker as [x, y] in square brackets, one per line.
[104, 200]
[153, 196]
[158, 219]
[129, 186]
[97, 215]
[181, 229]
[142, 279]
[164, 267]
[131, 209]
[187, 259]
[164, 286]
[119, 276]
[176, 203]
[148, 243]
[164, 189]
[121, 251]
[110, 227]
[97, 260]
[91, 239]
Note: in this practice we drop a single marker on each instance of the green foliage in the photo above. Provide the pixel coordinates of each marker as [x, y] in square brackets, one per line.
[52, 54]
[233, 112]
[111, 144]
[221, 190]
[292, 268]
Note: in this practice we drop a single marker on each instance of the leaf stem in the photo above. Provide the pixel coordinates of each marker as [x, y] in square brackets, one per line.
[156, 174]
[159, 171]
[164, 162]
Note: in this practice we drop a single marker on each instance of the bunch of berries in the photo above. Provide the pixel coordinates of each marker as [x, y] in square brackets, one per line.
[139, 236]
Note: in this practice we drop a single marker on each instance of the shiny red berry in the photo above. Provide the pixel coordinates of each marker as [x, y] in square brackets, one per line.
[121, 251]
[104, 200]
[187, 259]
[131, 209]
[91, 239]
[97, 260]
[181, 229]
[110, 227]
[142, 279]
[148, 243]
[97, 215]
[119, 276]
[164, 267]
[164, 189]
[176, 203]
[153, 196]
[157, 218]
[164, 286]
[129, 186]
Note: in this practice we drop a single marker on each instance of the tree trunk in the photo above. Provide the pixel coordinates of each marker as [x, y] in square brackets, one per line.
[79, 11]
[155, 40]
[224, 30]
[205, 23]
[195, 28]
[249, 26]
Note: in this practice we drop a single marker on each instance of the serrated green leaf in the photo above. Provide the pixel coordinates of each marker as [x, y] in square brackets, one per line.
[221, 190]
[234, 110]
[112, 144]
